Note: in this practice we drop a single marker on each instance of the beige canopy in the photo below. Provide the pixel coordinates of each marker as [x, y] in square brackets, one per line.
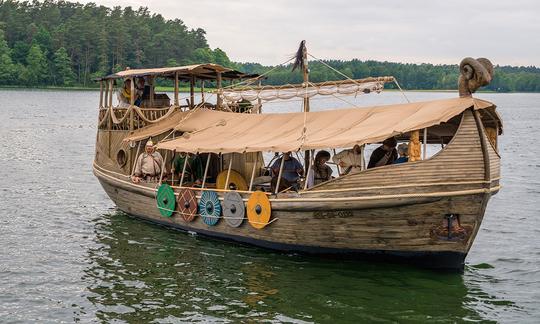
[224, 132]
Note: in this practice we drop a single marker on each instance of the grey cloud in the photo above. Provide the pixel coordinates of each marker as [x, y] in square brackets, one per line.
[405, 31]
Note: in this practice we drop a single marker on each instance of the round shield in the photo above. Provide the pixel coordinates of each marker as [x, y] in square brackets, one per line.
[233, 209]
[187, 204]
[209, 207]
[258, 209]
[165, 200]
[236, 181]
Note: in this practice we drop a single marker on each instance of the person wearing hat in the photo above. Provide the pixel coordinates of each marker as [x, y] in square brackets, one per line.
[385, 154]
[148, 165]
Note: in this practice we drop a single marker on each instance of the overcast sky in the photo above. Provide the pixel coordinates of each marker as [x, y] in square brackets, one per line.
[415, 31]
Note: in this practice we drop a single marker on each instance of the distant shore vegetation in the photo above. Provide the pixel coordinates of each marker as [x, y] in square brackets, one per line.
[66, 44]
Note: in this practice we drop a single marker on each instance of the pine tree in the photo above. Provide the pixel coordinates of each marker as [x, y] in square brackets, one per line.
[62, 68]
[7, 68]
[36, 71]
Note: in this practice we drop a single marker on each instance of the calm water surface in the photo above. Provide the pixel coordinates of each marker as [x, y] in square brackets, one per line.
[67, 255]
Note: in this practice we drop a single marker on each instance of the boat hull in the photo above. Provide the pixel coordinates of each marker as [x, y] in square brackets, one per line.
[405, 233]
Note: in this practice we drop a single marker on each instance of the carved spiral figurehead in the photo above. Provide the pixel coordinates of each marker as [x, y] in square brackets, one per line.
[474, 73]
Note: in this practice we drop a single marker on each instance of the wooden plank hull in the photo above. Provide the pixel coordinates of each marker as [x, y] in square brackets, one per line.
[430, 218]
[406, 232]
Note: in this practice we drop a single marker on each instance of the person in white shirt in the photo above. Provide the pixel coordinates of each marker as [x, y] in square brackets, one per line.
[148, 165]
[350, 160]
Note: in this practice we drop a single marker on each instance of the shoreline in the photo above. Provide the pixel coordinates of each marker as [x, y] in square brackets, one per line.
[209, 90]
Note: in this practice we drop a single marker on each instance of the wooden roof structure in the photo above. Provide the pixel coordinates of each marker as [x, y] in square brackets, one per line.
[207, 71]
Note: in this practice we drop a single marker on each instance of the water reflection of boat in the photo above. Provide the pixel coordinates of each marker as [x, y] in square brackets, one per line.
[144, 272]
[427, 211]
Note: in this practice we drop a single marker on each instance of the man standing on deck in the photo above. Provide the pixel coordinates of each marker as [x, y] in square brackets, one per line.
[148, 166]
[350, 161]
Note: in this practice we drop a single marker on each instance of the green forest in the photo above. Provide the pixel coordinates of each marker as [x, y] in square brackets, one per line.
[66, 44]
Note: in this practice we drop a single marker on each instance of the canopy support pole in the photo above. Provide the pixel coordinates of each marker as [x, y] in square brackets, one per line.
[192, 92]
[183, 170]
[176, 89]
[101, 94]
[424, 153]
[259, 101]
[253, 172]
[136, 156]
[132, 103]
[307, 173]
[219, 90]
[228, 172]
[108, 102]
[206, 169]
[152, 90]
[279, 174]
[362, 161]
[111, 92]
[163, 167]
[338, 167]
[202, 91]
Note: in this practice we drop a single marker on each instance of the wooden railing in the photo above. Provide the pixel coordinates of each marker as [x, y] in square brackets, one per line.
[138, 122]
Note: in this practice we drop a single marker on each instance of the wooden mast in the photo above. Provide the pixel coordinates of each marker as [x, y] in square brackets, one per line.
[305, 72]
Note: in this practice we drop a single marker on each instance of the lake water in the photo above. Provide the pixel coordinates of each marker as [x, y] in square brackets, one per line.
[67, 255]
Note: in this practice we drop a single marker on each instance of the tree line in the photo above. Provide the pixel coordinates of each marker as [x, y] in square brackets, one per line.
[65, 43]
[409, 76]
[61, 43]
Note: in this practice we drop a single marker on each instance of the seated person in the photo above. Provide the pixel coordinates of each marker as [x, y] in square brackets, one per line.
[350, 160]
[124, 95]
[194, 169]
[320, 171]
[292, 170]
[139, 91]
[244, 106]
[385, 154]
[403, 151]
[148, 165]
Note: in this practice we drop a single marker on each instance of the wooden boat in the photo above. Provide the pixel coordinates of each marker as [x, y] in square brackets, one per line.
[427, 211]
